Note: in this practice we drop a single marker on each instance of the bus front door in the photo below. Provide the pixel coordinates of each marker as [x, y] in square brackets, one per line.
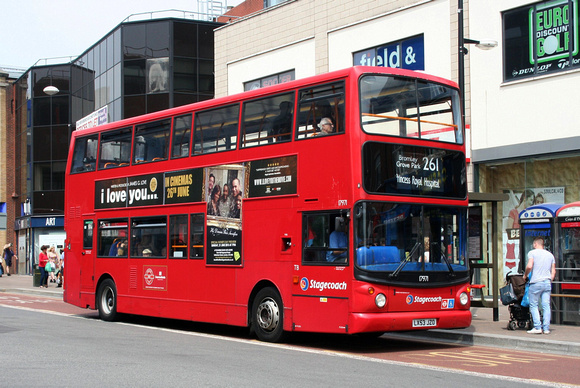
[321, 297]
[87, 258]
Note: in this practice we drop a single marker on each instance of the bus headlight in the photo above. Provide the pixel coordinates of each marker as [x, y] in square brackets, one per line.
[463, 298]
[380, 300]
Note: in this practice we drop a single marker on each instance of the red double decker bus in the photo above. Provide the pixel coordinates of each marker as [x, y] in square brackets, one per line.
[333, 204]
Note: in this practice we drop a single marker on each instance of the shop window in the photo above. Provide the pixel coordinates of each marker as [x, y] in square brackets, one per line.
[540, 39]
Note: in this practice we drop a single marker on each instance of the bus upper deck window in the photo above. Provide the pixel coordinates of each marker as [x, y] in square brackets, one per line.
[407, 107]
[181, 137]
[319, 105]
[115, 148]
[85, 154]
[151, 141]
[268, 120]
[216, 130]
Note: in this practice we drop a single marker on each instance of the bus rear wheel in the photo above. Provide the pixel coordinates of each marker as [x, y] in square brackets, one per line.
[268, 315]
[107, 300]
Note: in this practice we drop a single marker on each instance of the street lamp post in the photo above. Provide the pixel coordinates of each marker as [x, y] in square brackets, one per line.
[462, 52]
[461, 42]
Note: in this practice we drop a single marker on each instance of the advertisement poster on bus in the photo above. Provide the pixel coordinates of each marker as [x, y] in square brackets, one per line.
[224, 187]
[183, 186]
[271, 177]
[144, 190]
[518, 201]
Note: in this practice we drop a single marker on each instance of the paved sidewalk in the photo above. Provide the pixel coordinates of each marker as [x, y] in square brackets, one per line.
[563, 339]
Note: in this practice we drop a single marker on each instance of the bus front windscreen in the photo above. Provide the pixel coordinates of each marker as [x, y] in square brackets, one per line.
[404, 243]
[409, 107]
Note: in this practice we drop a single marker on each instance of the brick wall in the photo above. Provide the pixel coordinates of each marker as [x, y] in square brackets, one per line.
[7, 165]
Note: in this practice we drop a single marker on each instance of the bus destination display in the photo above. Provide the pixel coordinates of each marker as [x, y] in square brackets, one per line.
[398, 169]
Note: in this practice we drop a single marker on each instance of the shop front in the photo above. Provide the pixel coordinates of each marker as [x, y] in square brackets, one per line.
[531, 182]
[33, 232]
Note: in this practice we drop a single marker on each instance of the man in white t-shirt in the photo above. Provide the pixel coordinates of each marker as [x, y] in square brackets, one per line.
[542, 265]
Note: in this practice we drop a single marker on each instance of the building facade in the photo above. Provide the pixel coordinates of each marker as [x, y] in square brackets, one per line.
[524, 122]
[8, 197]
[519, 97]
[139, 67]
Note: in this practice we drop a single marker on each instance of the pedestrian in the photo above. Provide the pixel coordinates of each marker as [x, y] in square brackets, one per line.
[53, 258]
[42, 260]
[60, 273]
[8, 255]
[540, 272]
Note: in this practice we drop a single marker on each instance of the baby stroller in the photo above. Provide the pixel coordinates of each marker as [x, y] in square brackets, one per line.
[519, 316]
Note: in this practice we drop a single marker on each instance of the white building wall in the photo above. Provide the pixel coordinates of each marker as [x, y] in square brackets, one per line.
[298, 56]
[426, 19]
[317, 36]
[507, 114]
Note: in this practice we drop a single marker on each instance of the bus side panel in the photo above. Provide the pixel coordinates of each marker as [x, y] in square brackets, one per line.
[76, 271]
[321, 299]
[270, 246]
[72, 276]
[320, 314]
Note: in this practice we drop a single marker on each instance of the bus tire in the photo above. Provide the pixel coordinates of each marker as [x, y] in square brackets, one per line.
[107, 300]
[268, 315]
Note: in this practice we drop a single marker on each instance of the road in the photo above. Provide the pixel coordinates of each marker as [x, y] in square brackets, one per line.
[45, 341]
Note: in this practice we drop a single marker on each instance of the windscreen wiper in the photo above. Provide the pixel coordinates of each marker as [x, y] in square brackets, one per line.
[444, 257]
[404, 262]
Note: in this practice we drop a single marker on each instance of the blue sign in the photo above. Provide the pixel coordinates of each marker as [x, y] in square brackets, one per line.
[47, 222]
[405, 54]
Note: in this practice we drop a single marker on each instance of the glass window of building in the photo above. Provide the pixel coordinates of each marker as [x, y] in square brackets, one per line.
[134, 41]
[541, 38]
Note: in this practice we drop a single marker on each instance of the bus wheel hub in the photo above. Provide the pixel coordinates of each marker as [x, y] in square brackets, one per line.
[268, 315]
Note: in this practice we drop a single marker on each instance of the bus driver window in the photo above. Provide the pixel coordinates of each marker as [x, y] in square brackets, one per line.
[325, 238]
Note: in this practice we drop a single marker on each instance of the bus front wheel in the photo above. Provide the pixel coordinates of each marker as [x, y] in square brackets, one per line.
[268, 315]
[107, 300]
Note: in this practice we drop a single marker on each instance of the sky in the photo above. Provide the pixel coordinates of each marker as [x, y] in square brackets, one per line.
[32, 30]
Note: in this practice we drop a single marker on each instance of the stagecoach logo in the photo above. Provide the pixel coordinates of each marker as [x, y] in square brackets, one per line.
[423, 299]
[305, 284]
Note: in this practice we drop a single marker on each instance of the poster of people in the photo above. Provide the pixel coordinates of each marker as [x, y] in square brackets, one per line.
[224, 192]
[518, 201]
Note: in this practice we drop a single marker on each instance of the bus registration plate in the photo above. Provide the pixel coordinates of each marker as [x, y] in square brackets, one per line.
[431, 322]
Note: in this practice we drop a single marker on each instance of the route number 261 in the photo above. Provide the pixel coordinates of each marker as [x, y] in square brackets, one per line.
[430, 164]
